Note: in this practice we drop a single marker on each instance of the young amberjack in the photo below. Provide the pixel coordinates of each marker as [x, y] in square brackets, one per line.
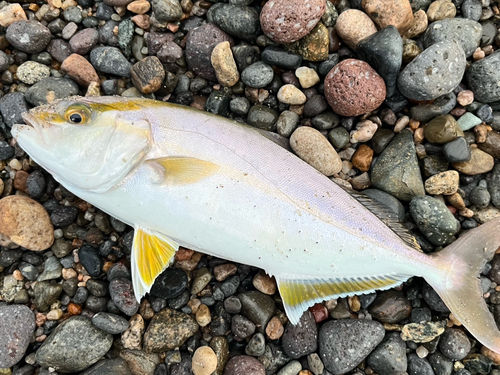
[183, 177]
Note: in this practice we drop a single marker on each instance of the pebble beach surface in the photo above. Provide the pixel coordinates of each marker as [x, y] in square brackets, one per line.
[399, 99]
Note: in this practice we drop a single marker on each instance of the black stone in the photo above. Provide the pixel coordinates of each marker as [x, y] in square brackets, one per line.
[61, 88]
[240, 21]
[12, 105]
[278, 56]
[6, 151]
[36, 184]
[63, 215]
[170, 283]
[218, 103]
[91, 260]
[418, 366]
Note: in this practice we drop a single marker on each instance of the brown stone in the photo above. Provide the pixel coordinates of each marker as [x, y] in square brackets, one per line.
[353, 26]
[274, 328]
[418, 26]
[20, 180]
[204, 361]
[390, 307]
[223, 271]
[362, 158]
[441, 9]
[353, 88]
[334, 40]
[443, 183]
[132, 337]
[314, 46]
[79, 69]
[397, 13]
[11, 13]
[139, 6]
[480, 162]
[465, 97]
[286, 21]
[224, 65]
[491, 145]
[141, 20]
[264, 283]
[148, 74]
[244, 364]
[26, 223]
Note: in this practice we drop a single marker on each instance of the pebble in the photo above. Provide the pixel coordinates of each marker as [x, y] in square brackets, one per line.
[245, 55]
[418, 26]
[301, 339]
[362, 158]
[353, 88]
[286, 124]
[83, 41]
[466, 32]
[203, 316]
[236, 20]
[467, 121]
[109, 366]
[257, 307]
[11, 107]
[440, 364]
[353, 26]
[384, 51]
[140, 363]
[240, 106]
[256, 346]
[51, 87]
[11, 13]
[481, 78]
[291, 368]
[442, 183]
[170, 283]
[278, 56]
[167, 330]
[307, 77]
[441, 9]
[148, 74]
[312, 147]
[16, 331]
[286, 21]
[122, 294]
[314, 106]
[264, 283]
[257, 75]
[224, 65]
[262, 117]
[289, 94]
[52, 269]
[454, 344]
[419, 366]
[139, 6]
[59, 352]
[480, 162]
[345, 343]
[389, 357]
[478, 364]
[422, 332]
[457, 150]
[434, 72]
[59, 49]
[241, 327]
[396, 170]
[110, 60]
[480, 197]
[472, 9]
[110, 323]
[79, 69]
[442, 129]
[163, 10]
[28, 36]
[26, 223]
[132, 336]
[31, 72]
[63, 216]
[204, 361]
[390, 307]
[384, 13]
[199, 46]
[243, 364]
[434, 219]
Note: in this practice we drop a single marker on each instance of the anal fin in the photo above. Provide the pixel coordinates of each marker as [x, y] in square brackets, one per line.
[299, 294]
[152, 252]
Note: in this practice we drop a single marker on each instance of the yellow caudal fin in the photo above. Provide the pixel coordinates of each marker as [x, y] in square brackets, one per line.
[152, 252]
[184, 170]
[457, 281]
[299, 294]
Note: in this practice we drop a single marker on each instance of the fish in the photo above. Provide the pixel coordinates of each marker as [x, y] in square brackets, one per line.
[187, 178]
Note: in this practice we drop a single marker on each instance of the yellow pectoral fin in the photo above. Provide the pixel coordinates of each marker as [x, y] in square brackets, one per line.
[298, 294]
[152, 252]
[184, 170]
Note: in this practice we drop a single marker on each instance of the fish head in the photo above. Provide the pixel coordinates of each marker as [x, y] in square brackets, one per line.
[88, 143]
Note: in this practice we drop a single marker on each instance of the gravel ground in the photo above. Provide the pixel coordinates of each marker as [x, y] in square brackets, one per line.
[395, 98]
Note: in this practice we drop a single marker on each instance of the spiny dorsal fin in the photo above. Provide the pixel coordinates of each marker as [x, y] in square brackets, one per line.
[152, 252]
[300, 294]
[386, 215]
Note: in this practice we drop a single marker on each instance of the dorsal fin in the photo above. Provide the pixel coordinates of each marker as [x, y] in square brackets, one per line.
[386, 215]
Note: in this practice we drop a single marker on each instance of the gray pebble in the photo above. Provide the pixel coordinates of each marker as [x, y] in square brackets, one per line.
[29, 271]
[28, 36]
[256, 346]
[4, 61]
[245, 55]
[387, 200]
[480, 197]
[52, 269]
[286, 124]
[494, 186]
[483, 76]
[110, 323]
[390, 356]
[239, 21]
[122, 294]
[16, 331]
[301, 339]
[110, 60]
[61, 88]
[326, 121]
[262, 117]
[239, 105]
[83, 41]
[73, 14]
[441, 106]
[241, 327]
[418, 366]
[440, 364]
[454, 344]
[291, 368]
[59, 49]
[278, 56]
[257, 75]
[12, 105]
[457, 150]
[257, 307]
[109, 366]
[472, 9]
[167, 10]
[69, 30]
[464, 31]
[338, 137]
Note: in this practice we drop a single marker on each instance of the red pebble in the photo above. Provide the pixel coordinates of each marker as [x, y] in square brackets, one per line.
[319, 312]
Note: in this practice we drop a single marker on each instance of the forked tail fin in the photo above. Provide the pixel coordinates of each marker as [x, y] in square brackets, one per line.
[459, 285]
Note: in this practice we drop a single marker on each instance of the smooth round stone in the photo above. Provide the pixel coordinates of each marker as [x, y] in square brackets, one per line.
[440, 363]
[28, 36]
[388, 200]
[11, 13]
[278, 56]
[433, 73]
[345, 343]
[26, 222]
[245, 55]
[312, 147]
[326, 121]
[110, 60]
[472, 9]
[122, 294]
[204, 361]
[256, 346]
[78, 68]
[16, 331]
[164, 10]
[491, 146]
[442, 183]
[418, 26]
[390, 356]
[224, 65]
[300, 339]
[74, 345]
[6, 151]
[396, 163]
[35, 183]
[83, 41]
[466, 32]
[338, 137]
[286, 21]
[31, 72]
[257, 75]
[315, 106]
[434, 219]
[199, 46]
[170, 283]
[240, 105]
[482, 77]
[454, 344]
[257, 307]
[307, 77]
[441, 106]
[479, 163]
[51, 269]
[353, 26]
[418, 366]
[262, 117]
[457, 150]
[148, 74]
[4, 61]
[12, 105]
[384, 51]
[59, 49]
[287, 122]
[241, 327]
[390, 307]
[244, 364]
[442, 129]
[480, 197]
[494, 186]
[63, 216]
[384, 13]
[353, 88]
[239, 21]
[441, 9]
[289, 94]
[72, 14]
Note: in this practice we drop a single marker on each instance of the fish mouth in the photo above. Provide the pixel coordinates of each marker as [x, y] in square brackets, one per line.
[46, 134]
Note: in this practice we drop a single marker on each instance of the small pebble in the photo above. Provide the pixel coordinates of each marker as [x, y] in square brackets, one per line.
[204, 361]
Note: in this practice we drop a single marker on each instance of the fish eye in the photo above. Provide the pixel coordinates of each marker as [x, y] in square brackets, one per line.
[77, 114]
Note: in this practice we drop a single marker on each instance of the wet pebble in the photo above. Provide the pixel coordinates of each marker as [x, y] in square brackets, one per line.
[353, 26]
[289, 94]
[262, 117]
[276, 55]
[12, 105]
[236, 20]
[224, 65]
[204, 361]
[480, 162]
[442, 183]
[122, 294]
[257, 75]
[457, 150]
[390, 307]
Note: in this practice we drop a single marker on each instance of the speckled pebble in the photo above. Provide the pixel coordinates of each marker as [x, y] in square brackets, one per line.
[31, 72]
